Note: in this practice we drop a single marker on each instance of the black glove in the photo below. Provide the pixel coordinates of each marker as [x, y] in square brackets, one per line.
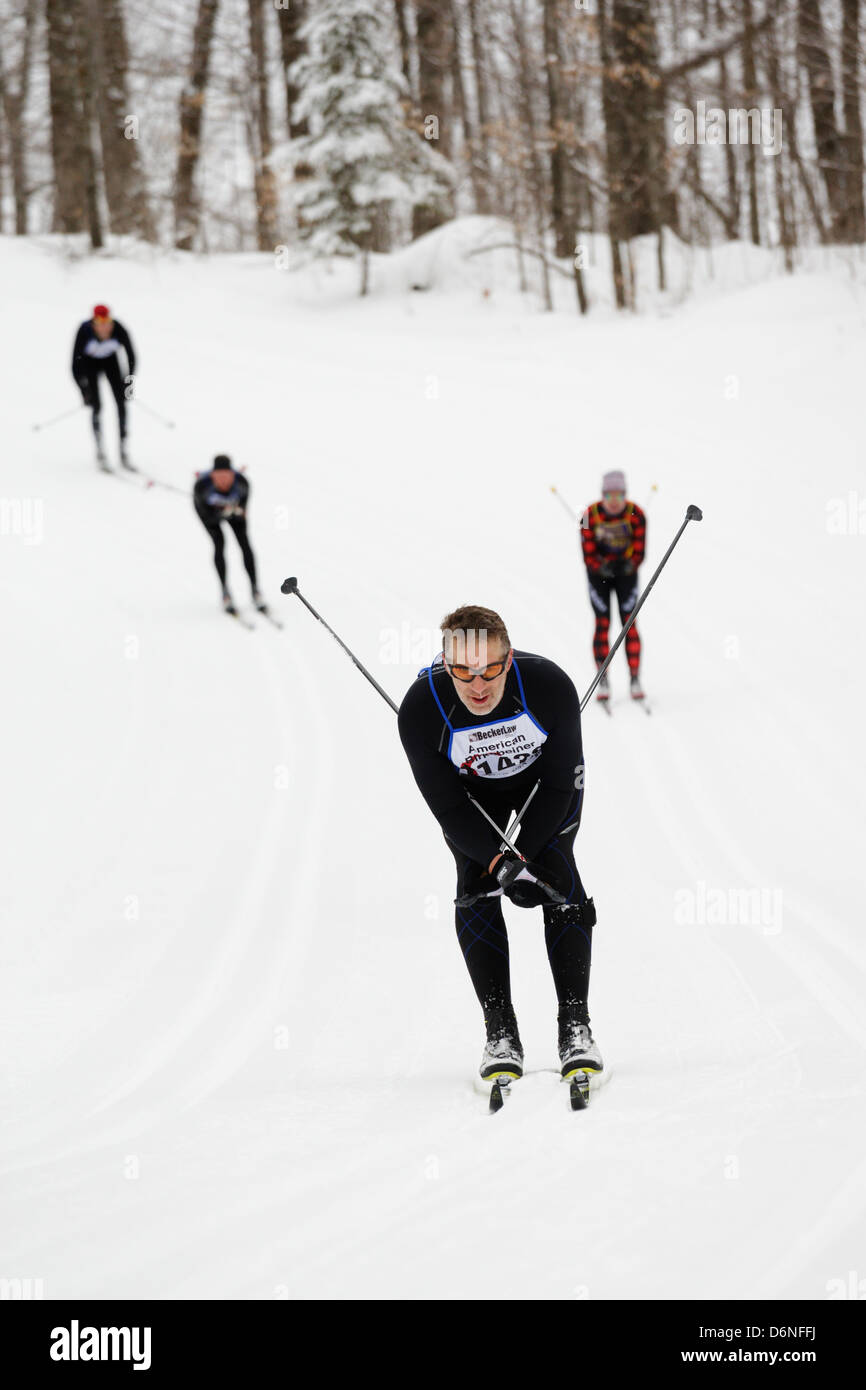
[507, 869]
[84, 388]
[627, 569]
[543, 886]
[605, 570]
[479, 883]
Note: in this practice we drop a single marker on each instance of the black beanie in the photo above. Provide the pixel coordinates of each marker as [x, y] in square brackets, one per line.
[222, 461]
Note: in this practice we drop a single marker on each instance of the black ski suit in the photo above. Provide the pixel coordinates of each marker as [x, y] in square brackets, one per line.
[215, 507]
[532, 736]
[91, 356]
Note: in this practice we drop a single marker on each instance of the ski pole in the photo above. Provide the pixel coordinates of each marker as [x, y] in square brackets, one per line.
[169, 424]
[43, 424]
[504, 834]
[510, 828]
[559, 497]
[693, 513]
[290, 586]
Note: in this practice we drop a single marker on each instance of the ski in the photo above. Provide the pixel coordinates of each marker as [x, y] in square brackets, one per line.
[241, 618]
[266, 613]
[497, 1088]
[578, 1089]
[500, 1089]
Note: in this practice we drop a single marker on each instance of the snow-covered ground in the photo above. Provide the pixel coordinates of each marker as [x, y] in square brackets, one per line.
[237, 1038]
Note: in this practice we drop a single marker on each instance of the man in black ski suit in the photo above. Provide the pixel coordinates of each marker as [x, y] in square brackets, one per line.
[489, 724]
[97, 348]
[222, 496]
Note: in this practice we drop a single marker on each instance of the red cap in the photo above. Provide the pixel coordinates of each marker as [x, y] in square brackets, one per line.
[100, 311]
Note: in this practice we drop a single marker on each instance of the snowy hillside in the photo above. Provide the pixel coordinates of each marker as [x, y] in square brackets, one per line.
[237, 1037]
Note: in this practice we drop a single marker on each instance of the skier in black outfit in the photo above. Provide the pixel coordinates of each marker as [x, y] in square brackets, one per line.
[222, 495]
[492, 728]
[96, 348]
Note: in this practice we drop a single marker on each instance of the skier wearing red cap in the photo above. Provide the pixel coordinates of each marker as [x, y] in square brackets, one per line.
[613, 539]
[98, 344]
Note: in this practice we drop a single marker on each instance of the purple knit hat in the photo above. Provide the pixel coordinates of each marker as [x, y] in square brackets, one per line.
[613, 481]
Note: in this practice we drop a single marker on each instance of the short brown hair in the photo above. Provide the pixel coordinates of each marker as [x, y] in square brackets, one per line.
[470, 628]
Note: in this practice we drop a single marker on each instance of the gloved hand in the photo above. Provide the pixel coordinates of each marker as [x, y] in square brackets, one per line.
[606, 569]
[477, 883]
[627, 569]
[232, 509]
[535, 885]
[84, 388]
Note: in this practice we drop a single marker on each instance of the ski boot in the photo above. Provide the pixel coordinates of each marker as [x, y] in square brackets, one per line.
[579, 1053]
[603, 691]
[258, 602]
[503, 1053]
[229, 604]
[125, 461]
[101, 456]
[637, 692]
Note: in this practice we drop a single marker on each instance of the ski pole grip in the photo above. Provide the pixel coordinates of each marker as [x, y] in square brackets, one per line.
[694, 513]
[289, 586]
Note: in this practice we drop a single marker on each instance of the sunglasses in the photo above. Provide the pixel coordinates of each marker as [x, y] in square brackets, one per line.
[466, 673]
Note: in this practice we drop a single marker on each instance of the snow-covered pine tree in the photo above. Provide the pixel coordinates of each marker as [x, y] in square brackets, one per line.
[361, 153]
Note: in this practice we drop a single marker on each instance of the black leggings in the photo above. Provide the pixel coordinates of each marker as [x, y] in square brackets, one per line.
[484, 940]
[239, 526]
[93, 368]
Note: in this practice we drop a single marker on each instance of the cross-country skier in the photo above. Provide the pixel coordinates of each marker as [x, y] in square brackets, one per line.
[98, 344]
[613, 538]
[222, 495]
[490, 723]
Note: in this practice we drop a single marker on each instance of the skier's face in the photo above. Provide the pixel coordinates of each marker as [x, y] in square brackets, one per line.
[102, 328]
[223, 478]
[479, 695]
[614, 502]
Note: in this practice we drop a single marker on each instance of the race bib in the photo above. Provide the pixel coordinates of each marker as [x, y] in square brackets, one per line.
[613, 536]
[101, 347]
[501, 749]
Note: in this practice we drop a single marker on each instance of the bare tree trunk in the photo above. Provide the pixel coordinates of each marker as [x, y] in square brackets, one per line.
[536, 171]
[750, 82]
[434, 39]
[481, 154]
[187, 210]
[562, 216]
[263, 174]
[732, 221]
[124, 182]
[787, 224]
[814, 54]
[470, 139]
[855, 219]
[14, 103]
[87, 89]
[75, 206]
[70, 199]
[634, 118]
[615, 218]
